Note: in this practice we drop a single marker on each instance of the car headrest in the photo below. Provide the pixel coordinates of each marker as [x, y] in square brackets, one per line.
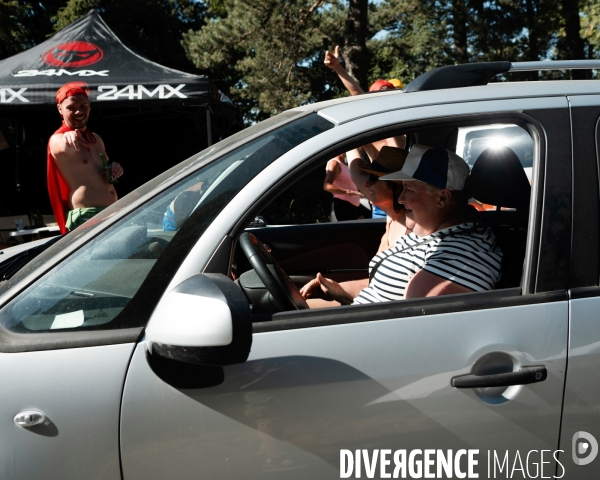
[497, 178]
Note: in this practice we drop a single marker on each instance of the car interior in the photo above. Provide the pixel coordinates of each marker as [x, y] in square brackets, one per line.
[270, 263]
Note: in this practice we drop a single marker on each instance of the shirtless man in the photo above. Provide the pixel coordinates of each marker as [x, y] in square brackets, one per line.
[77, 182]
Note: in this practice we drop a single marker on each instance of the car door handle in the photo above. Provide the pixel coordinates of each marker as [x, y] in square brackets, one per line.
[524, 376]
[29, 418]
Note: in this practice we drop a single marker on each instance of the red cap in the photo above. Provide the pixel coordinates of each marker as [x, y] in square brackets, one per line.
[381, 84]
[70, 89]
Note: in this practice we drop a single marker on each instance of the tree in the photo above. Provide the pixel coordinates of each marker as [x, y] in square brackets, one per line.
[24, 24]
[354, 51]
[267, 54]
[416, 40]
[153, 28]
[496, 30]
[13, 36]
[573, 41]
[459, 31]
[590, 31]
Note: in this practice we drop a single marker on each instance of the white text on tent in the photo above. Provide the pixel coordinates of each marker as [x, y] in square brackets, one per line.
[130, 92]
[59, 73]
[5, 99]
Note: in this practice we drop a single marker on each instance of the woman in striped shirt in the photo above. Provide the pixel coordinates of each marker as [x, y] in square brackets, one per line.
[446, 253]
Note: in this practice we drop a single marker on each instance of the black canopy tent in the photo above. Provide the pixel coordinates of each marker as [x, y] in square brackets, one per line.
[150, 116]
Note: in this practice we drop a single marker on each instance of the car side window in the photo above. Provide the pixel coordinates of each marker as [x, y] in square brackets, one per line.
[91, 288]
[500, 157]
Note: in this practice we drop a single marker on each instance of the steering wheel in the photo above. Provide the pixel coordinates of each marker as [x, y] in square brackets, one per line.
[278, 283]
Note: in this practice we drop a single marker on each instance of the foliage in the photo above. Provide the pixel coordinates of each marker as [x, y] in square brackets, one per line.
[416, 39]
[13, 37]
[24, 24]
[590, 27]
[266, 54]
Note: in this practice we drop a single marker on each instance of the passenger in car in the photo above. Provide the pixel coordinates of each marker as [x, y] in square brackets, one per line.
[385, 196]
[445, 253]
[182, 207]
[346, 197]
[332, 60]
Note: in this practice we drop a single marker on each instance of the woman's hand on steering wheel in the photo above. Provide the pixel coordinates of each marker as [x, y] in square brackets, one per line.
[284, 292]
[328, 289]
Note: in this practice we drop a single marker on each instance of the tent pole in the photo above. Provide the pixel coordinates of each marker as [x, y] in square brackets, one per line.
[18, 147]
[208, 126]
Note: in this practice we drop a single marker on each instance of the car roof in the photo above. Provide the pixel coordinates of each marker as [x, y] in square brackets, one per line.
[346, 109]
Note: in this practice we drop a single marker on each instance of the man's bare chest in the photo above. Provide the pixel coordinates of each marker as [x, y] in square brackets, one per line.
[81, 165]
[86, 158]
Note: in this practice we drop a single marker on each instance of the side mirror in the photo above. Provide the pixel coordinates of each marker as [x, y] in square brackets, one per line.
[205, 320]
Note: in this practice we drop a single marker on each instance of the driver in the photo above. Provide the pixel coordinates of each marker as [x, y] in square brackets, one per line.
[446, 252]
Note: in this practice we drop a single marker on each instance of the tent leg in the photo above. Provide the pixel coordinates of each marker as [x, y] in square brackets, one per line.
[208, 127]
[18, 147]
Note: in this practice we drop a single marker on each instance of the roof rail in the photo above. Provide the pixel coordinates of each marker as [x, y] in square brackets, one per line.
[472, 74]
[555, 65]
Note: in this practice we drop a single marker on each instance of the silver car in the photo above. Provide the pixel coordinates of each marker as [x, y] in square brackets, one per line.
[131, 349]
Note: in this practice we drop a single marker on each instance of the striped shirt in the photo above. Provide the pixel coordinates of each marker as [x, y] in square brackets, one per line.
[466, 254]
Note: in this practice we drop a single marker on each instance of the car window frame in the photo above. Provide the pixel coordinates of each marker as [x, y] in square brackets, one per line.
[585, 265]
[548, 141]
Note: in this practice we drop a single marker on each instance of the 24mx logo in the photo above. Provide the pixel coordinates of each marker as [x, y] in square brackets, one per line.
[73, 54]
[130, 92]
[7, 95]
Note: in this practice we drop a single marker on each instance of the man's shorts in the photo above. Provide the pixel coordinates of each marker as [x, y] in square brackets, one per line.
[78, 216]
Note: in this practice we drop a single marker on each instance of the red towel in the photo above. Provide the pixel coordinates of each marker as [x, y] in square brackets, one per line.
[57, 186]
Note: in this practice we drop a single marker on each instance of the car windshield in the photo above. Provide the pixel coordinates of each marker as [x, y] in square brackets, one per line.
[93, 286]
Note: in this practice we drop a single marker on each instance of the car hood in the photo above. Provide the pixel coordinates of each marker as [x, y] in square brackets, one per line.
[7, 253]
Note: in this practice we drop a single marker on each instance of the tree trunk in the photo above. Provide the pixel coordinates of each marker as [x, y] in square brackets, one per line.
[459, 35]
[533, 49]
[574, 42]
[355, 49]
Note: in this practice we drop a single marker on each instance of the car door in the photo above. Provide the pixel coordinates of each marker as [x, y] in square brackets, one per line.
[580, 431]
[63, 359]
[320, 386]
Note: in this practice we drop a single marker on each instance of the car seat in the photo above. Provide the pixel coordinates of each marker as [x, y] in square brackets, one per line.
[498, 178]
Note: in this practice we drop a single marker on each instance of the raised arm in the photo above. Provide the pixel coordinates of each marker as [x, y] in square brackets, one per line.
[60, 142]
[372, 150]
[358, 176]
[333, 170]
[332, 60]
[398, 142]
